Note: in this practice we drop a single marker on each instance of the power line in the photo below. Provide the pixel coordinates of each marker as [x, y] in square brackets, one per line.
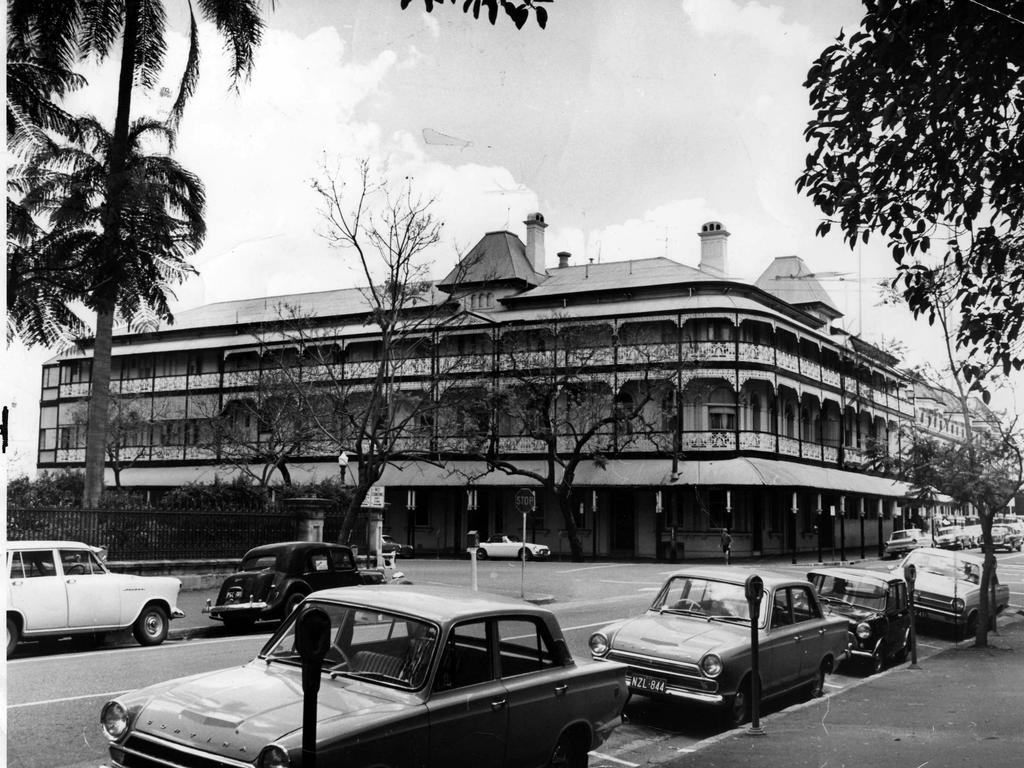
[997, 11]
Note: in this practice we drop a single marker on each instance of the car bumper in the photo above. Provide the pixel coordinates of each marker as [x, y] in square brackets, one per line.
[177, 613]
[252, 608]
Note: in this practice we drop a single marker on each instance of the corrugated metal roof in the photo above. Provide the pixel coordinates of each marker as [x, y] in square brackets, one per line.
[498, 256]
[789, 278]
[616, 275]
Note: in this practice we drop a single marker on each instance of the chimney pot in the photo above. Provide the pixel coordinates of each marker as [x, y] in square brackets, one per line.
[535, 227]
[713, 248]
[563, 259]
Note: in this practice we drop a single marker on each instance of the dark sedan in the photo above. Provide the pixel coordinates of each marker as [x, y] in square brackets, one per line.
[274, 578]
[877, 607]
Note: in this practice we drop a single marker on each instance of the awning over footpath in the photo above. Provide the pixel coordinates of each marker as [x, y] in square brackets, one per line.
[734, 472]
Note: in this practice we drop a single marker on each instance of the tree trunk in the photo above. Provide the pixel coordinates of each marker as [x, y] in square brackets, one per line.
[99, 411]
[105, 300]
[572, 533]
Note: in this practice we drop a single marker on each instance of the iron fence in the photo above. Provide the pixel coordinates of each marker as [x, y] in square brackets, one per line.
[159, 534]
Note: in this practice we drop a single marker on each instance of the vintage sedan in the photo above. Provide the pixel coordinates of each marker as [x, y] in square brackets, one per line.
[949, 537]
[947, 588]
[412, 676]
[693, 643]
[391, 547]
[57, 588]
[901, 542]
[1006, 537]
[274, 578]
[877, 607]
[509, 545]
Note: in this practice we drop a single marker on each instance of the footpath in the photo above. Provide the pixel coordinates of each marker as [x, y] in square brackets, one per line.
[961, 707]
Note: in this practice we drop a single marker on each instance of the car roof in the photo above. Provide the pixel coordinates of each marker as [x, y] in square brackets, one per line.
[434, 603]
[948, 554]
[860, 574]
[55, 544]
[292, 546]
[739, 574]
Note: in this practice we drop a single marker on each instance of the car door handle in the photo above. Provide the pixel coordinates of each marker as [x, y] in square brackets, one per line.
[821, 633]
[71, 580]
[496, 705]
[561, 689]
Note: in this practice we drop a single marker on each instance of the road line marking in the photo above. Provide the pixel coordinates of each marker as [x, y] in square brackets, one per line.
[593, 568]
[176, 643]
[602, 756]
[590, 626]
[67, 698]
[610, 581]
[928, 645]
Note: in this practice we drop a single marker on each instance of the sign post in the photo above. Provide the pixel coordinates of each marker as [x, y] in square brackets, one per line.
[910, 575]
[526, 502]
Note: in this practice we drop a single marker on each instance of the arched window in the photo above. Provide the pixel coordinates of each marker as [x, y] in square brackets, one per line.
[755, 413]
[790, 416]
[722, 410]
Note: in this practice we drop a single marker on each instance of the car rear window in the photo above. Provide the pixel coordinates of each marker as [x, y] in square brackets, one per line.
[259, 563]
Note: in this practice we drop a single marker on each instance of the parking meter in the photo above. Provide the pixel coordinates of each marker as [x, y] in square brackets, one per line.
[753, 589]
[472, 543]
[312, 639]
[910, 575]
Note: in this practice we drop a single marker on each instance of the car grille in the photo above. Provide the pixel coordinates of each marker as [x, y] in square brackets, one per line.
[930, 600]
[680, 674]
[141, 751]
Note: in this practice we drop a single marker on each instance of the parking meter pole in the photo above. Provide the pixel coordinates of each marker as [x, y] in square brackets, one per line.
[862, 552]
[910, 574]
[312, 638]
[472, 543]
[472, 557]
[753, 589]
[522, 577]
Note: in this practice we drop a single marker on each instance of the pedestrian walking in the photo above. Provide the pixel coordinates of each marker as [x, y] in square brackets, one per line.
[726, 544]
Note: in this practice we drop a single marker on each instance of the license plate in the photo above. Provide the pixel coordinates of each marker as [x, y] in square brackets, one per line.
[645, 683]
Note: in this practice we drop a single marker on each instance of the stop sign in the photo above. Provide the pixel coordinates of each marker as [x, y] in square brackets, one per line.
[526, 501]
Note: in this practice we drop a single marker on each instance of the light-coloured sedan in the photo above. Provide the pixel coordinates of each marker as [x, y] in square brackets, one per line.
[57, 588]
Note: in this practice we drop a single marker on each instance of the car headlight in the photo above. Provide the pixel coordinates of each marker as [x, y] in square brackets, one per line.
[863, 630]
[958, 604]
[273, 757]
[599, 644]
[711, 665]
[115, 720]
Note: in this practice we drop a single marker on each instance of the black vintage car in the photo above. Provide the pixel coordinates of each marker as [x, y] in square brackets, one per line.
[274, 578]
[877, 607]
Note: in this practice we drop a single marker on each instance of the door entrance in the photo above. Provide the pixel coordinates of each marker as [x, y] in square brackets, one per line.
[623, 524]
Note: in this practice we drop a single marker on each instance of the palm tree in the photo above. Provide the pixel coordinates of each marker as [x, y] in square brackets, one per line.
[60, 32]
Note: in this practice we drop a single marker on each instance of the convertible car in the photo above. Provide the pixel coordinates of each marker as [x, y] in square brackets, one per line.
[412, 676]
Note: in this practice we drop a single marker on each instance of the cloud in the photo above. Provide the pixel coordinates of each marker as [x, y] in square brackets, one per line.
[752, 21]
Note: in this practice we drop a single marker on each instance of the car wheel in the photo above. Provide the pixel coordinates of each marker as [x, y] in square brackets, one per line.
[519, 554]
[816, 689]
[481, 553]
[151, 626]
[737, 711]
[291, 603]
[13, 635]
[970, 629]
[569, 752]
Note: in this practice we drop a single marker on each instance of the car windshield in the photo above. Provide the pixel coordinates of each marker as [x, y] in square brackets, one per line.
[365, 644]
[951, 531]
[258, 563]
[947, 567]
[849, 591]
[703, 597]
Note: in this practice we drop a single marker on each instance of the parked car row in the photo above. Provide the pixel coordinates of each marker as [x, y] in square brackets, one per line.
[1005, 536]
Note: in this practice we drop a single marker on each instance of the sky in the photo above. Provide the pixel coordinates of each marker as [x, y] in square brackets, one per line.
[627, 125]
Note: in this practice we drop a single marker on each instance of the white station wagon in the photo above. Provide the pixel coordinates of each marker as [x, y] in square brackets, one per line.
[57, 588]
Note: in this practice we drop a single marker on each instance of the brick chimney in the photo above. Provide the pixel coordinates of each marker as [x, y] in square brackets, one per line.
[713, 248]
[535, 227]
[563, 259]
